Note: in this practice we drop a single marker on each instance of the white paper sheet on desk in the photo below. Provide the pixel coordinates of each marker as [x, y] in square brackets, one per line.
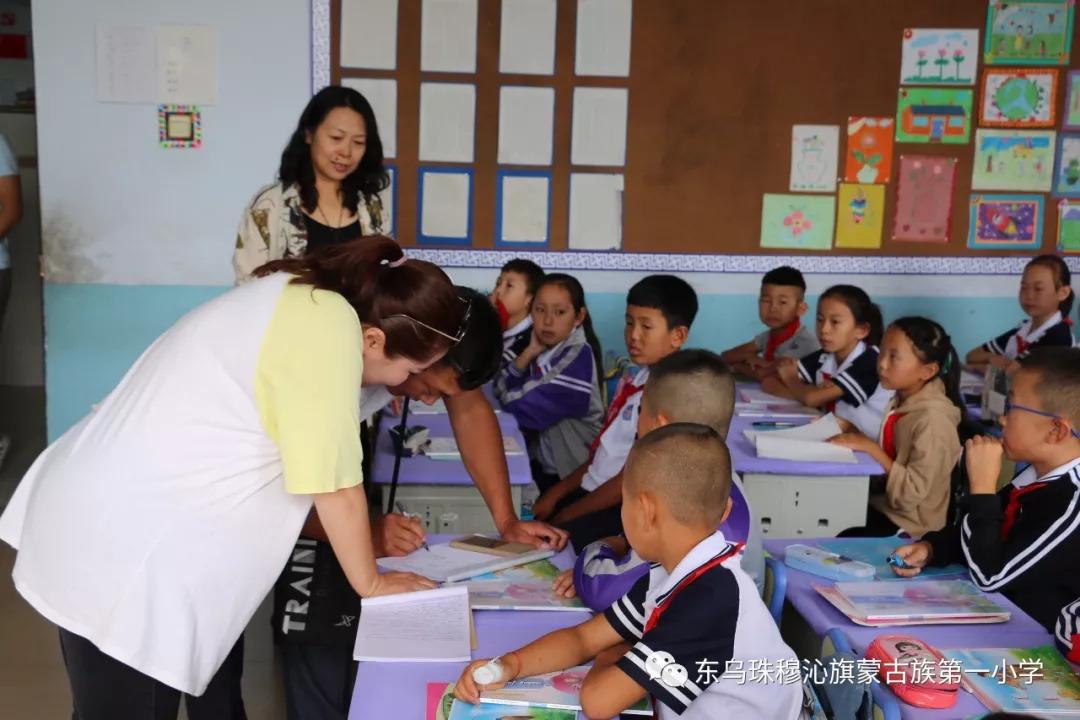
[425, 626]
[449, 564]
[806, 443]
[446, 448]
[756, 396]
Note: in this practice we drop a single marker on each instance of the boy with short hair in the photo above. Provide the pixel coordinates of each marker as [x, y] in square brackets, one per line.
[1023, 541]
[781, 305]
[659, 311]
[513, 295]
[695, 609]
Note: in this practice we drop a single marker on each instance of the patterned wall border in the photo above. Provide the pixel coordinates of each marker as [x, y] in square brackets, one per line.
[320, 45]
[653, 262]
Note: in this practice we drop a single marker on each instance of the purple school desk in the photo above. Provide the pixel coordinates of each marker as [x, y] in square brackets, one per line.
[1020, 631]
[441, 491]
[399, 690]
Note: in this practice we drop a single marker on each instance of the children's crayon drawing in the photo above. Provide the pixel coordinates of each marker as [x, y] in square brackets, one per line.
[860, 215]
[1013, 160]
[1072, 101]
[924, 193]
[938, 57]
[1067, 167]
[869, 150]
[1068, 232]
[814, 152]
[1018, 98]
[933, 115]
[797, 222]
[1005, 222]
[1028, 32]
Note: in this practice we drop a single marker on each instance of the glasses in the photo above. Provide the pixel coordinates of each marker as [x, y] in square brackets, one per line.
[1009, 406]
[455, 338]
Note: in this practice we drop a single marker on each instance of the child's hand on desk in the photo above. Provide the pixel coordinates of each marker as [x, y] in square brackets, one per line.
[787, 369]
[854, 440]
[915, 556]
[983, 455]
[999, 361]
[392, 583]
[564, 585]
[468, 690]
[396, 535]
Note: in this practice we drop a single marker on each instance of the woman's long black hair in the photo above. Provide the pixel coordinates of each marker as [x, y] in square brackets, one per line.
[370, 176]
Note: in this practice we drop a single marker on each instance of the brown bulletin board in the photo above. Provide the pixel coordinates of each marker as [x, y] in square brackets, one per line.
[715, 87]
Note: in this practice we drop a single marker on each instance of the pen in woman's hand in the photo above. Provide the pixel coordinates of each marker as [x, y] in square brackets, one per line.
[401, 509]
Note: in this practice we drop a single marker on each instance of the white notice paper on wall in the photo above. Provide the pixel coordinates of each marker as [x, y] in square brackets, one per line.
[448, 36]
[369, 34]
[595, 211]
[603, 38]
[524, 209]
[447, 125]
[527, 37]
[445, 206]
[424, 626]
[815, 150]
[187, 64]
[386, 195]
[126, 63]
[526, 123]
[599, 127]
[382, 94]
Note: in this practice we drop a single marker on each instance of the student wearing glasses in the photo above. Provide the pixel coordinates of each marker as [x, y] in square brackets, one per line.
[153, 528]
[1023, 541]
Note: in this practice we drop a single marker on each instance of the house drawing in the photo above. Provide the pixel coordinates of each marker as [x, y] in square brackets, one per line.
[934, 121]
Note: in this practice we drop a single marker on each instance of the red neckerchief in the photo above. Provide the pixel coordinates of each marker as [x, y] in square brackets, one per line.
[661, 607]
[826, 377]
[504, 315]
[888, 434]
[776, 339]
[626, 391]
[1074, 653]
[1012, 509]
[1021, 345]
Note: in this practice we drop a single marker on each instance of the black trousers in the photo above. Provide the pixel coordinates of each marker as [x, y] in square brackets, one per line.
[319, 681]
[878, 524]
[103, 688]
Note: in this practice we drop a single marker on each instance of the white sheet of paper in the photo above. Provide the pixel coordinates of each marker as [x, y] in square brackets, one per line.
[445, 208]
[815, 152]
[425, 626]
[446, 448]
[817, 431]
[599, 126]
[448, 36]
[525, 209]
[603, 38]
[760, 397]
[527, 37]
[187, 64]
[382, 94]
[447, 122]
[369, 30]
[526, 124]
[447, 564]
[595, 211]
[805, 443]
[126, 63]
[387, 197]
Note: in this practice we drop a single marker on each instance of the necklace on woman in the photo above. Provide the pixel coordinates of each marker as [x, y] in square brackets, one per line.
[341, 211]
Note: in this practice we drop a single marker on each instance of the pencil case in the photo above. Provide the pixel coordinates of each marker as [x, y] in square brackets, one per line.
[827, 564]
[898, 657]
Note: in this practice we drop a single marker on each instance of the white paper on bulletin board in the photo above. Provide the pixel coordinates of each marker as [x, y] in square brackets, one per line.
[187, 64]
[599, 126]
[445, 205]
[527, 37]
[126, 63]
[524, 209]
[603, 38]
[386, 195]
[382, 94]
[447, 122]
[369, 34]
[448, 36]
[526, 124]
[595, 211]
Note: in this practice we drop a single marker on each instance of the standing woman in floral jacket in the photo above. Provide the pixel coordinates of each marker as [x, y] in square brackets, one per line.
[330, 176]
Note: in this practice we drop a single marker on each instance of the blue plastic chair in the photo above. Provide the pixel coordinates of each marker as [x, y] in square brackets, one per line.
[775, 587]
[886, 704]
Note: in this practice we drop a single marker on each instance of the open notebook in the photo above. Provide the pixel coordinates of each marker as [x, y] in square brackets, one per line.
[528, 587]
[448, 564]
[1035, 681]
[805, 443]
[927, 602]
[559, 690]
[425, 626]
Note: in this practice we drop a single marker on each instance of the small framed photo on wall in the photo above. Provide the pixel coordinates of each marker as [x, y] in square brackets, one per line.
[179, 126]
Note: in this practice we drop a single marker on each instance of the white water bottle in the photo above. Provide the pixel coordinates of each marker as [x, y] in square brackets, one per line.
[488, 674]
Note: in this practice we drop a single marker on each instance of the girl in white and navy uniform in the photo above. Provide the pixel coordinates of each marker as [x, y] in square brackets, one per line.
[1046, 296]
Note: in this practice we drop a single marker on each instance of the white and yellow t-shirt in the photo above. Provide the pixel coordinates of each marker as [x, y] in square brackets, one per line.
[156, 525]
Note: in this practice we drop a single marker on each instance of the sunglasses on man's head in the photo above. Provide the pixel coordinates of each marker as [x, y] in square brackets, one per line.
[455, 338]
[1010, 406]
